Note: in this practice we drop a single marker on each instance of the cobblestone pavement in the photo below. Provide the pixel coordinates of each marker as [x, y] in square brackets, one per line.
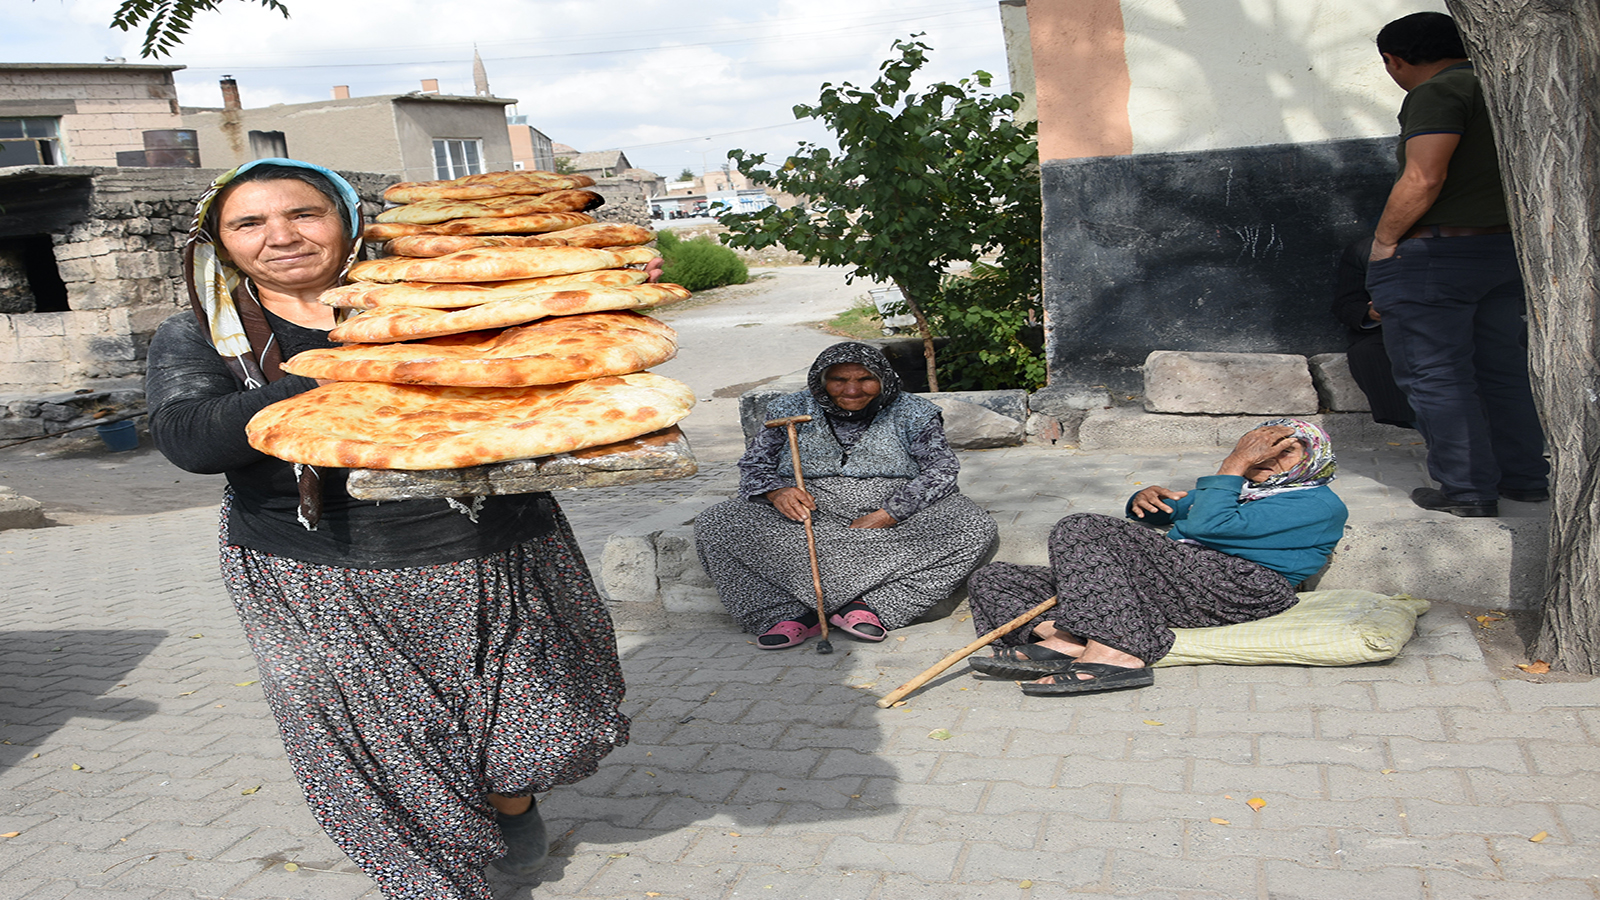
[140, 761]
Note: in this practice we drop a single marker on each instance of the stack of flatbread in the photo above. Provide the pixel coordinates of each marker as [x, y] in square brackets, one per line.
[504, 326]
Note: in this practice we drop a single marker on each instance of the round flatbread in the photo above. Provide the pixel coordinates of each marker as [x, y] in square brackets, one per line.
[549, 351]
[371, 295]
[417, 427]
[431, 212]
[534, 224]
[488, 184]
[498, 264]
[409, 323]
[600, 234]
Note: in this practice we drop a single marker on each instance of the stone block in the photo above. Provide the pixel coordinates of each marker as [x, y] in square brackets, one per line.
[1042, 429]
[1336, 387]
[74, 271]
[1012, 404]
[17, 511]
[969, 426]
[628, 568]
[35, 325]
[1058, 400]
[1228, 383]
[1130, 428]
[1487, 562]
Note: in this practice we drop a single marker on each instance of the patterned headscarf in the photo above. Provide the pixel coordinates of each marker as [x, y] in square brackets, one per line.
[1315, 469]
[232, 315]
[864, 355]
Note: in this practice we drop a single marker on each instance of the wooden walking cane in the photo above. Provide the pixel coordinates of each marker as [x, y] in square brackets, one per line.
[895, 695]
[824, 646]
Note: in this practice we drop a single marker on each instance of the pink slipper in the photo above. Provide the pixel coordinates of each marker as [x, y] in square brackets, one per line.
[862, 624]
[790, 633]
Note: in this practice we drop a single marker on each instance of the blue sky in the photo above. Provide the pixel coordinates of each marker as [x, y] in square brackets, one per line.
[675, 84]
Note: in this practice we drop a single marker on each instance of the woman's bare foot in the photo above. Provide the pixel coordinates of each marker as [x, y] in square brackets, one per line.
[1053, 638]
[1096, 652]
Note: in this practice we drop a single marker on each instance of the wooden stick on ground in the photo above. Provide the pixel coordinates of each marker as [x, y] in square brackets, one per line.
[933, 672]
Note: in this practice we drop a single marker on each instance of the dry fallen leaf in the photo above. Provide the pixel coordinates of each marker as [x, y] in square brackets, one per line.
[291, 867]
[652, 893]
[76, 767]
[1255, 803]
[248, 791]
[1386, 771]
[10, 834]
[1025, 884]
[196, 634]
[243, 683]
[1539, 837]
[900, 639]
[185, 693]
[1216, 821]
[939, 734]
[734, 834]
[617, 855]
[1486, 621]
[1537, 667]
[651, 774]
[1153, 722]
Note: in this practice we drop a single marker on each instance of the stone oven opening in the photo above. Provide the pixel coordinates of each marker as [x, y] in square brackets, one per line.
[29, 279]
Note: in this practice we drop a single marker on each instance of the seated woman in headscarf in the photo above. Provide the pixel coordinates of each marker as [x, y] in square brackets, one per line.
[1239, 544]
[894, 535]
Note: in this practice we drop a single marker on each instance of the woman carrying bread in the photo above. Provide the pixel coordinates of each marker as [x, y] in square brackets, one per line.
[1239, 544]
[428, 671]
[894, 535]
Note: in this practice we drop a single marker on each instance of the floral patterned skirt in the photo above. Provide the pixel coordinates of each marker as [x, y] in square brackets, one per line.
[403, 696]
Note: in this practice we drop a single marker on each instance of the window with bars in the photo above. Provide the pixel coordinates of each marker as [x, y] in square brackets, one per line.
[455, 157]
[30, 142]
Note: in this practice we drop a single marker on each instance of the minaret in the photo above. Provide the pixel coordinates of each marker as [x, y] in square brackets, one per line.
[480, 77]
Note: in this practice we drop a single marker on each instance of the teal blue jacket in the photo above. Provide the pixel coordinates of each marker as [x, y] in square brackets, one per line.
[1291, 533]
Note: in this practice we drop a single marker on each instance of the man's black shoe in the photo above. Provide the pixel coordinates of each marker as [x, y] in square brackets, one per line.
[1525, 496]
[1434, 499]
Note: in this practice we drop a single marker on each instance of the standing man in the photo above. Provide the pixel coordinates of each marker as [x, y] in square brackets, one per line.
[1444, 277]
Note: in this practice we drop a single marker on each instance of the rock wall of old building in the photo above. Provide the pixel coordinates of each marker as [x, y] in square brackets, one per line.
[625, 201]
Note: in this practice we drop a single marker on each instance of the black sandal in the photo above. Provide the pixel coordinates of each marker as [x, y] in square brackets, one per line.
[1024, 661]
[1105, 677]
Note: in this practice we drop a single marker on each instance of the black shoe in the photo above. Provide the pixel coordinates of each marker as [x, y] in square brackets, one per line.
[526, 844]
[1536, 496]
[1434, 499]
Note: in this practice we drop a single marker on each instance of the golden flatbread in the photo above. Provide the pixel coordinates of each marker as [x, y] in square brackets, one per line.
[419, 427]
[498, 264]
[489, 184]
[549, 351]
[408, 323]
[431, 212]
[369, 295]
[427, 246]
[534, 224]
[600, 234]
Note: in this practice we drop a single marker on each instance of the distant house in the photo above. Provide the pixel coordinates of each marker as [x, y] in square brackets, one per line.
[530, 147]
[84, 114]
[601, 163]
[418, 136]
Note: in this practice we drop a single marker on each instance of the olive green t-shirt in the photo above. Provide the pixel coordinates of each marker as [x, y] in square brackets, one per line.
[1451, 102]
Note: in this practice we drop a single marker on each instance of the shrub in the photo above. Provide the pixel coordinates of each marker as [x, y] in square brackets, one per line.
[992, 318]
[700, 263]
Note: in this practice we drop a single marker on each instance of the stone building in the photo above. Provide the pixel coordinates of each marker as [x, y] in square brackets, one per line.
[83, 114]
[1203, 165]
[420, 136]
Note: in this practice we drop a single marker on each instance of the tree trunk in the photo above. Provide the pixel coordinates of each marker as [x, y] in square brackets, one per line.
[1539, 61]
[927, 335]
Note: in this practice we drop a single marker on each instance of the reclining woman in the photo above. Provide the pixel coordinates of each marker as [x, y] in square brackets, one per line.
[1239, 544]
[894, 534]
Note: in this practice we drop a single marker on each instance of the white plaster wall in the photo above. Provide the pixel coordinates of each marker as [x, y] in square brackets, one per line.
[1209, 74]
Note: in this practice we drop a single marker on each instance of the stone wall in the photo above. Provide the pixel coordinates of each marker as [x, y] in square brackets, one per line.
[625, 201]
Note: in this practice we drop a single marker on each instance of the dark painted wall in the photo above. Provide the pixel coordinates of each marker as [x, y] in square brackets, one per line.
[1228, 250]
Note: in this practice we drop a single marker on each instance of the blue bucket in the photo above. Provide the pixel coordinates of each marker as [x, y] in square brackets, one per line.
[119, 436]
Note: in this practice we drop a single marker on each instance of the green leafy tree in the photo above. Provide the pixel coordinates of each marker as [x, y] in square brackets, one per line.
[167, 21]
[563, 165]
[921, 181]
[686, 175]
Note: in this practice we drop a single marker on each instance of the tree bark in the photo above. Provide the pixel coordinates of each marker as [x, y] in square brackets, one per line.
[1539, 61]
[924, 329]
